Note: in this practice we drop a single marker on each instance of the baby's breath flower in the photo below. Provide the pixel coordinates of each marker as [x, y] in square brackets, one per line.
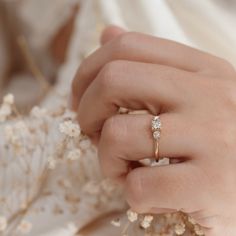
[116, 222]
[21, 128]
[72, 227]
[51, 163]
[85, 144]
[24, 227]
[12, 138]
[3, 223]
[9, 99]
[5, 112]
[8, 132]
[132, 216]
[108, 186]
[146, 222]
[5, 108]
[91, 188]
[180, 229]
[70, 129]
[198, 230]
[191, 220]
[74, 154]
[38, 112]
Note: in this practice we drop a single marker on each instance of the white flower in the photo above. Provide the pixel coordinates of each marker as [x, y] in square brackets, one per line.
[38, 112]
[108, 186]
[8, 132]
[72, 227]
[9, 99]
[69, 128]
[180, 229]
[116, 222]
[3, 223]
[11, 136]
[74, 154]
[92, 188]
[51, 163]
[132, 216]
[146, 222]
[24, 227]
[191, 220]
[21, 128]
[198, 230]
[85, 144]
[5, 111]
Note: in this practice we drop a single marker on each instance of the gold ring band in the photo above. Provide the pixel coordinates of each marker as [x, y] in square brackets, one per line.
[156, 150]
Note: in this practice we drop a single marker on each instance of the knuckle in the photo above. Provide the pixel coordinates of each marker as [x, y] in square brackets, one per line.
[224, 66]
[107, 77]
[229, 93]
[135, 191]
[221, 134]
[123, 43]
[115, 130]
[111, 143]
[223, 91]
[220, 67]
[225, 136]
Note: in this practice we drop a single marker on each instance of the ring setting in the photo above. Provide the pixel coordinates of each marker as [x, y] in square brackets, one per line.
[156, 133]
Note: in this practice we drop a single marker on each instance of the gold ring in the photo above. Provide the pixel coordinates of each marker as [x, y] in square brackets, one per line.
[156, 133]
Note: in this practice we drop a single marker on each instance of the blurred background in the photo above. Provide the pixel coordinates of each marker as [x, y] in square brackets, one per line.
[34, 38]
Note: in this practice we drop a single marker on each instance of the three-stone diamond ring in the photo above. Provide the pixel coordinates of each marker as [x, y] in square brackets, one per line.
[156, 133]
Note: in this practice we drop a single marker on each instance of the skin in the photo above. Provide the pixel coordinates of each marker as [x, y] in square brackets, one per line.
[195, 95]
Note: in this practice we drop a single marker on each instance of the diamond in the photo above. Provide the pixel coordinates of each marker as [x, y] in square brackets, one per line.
[157, 134]
[156, 123]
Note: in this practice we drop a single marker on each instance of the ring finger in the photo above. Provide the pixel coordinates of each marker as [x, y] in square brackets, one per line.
[128, 138]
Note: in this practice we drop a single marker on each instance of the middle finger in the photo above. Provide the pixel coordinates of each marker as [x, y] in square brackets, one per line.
[136, 86]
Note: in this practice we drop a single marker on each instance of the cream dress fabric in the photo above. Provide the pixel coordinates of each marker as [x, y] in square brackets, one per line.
[208, 25]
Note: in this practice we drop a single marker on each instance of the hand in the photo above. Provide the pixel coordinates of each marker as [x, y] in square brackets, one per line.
[195, 95]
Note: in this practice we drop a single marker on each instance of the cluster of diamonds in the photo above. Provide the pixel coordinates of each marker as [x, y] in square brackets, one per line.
[156, 127]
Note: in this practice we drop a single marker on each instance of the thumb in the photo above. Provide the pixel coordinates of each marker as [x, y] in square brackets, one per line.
[110, 33]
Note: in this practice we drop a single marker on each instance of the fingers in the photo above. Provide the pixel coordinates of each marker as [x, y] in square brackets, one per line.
[143, 48]
[110, 33]
[135, 86]
[171, 187]
[127, 138]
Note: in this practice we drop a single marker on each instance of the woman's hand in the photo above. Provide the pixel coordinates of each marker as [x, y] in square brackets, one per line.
[195, 95]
